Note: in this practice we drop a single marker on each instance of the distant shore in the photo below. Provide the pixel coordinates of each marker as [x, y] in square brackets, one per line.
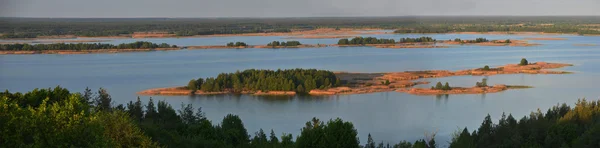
[321, 33]
[360, 83]
[95, 51]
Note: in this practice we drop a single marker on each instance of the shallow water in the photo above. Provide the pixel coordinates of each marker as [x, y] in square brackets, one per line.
[388, 116]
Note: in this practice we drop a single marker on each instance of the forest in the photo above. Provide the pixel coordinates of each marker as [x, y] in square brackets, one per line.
[35, 27]
[298, 80]
[363, 41]
[545, 28]
[60, 118]
[56, 117]
[83, 46]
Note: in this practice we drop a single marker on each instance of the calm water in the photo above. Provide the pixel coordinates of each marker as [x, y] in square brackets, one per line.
[389, 116]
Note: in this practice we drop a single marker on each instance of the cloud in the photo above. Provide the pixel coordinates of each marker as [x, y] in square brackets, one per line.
[291, 8]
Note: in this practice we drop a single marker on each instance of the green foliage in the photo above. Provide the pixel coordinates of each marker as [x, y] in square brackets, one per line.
[336, 133]
[560, 126]
[524, 62]
[284, 43]
[192, 85]
[299, 80]
[363, 41]
[33, 27]
[483, 83]
[477, 40]
[416, 40]
[486, 68]
[237, 44]
[343, 42]
[439, 86]
[446, 87]
[83, 46]
[507, 41]
[68, 121]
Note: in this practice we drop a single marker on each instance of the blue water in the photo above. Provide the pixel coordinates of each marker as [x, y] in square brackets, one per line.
[388, 116]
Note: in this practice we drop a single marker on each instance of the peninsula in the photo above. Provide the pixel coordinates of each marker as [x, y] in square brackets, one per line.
[321, 82]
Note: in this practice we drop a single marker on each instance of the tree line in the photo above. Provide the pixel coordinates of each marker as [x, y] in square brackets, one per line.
[298, 80]
[497, 27]
[416, 40]
[367, 40]
[284, 43]
[58, 118]
[84, 46]
[560, 126]
[236, 44]
[35, 27]
[477, 40]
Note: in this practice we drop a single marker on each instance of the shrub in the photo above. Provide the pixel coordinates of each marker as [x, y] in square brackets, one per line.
[486, 68]
[524, 62]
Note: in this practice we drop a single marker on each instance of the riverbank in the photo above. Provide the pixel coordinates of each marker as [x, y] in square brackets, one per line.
[516, 43]
[89, 51]
[361, 83]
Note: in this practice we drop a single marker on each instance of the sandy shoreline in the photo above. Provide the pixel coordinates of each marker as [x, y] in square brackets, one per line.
[361, 83]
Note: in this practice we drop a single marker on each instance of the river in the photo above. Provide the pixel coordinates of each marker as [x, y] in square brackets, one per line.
[389, 116]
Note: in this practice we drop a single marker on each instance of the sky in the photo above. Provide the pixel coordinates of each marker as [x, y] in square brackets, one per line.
[291, 8]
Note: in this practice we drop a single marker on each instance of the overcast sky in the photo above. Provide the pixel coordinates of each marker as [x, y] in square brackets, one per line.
[291, 8]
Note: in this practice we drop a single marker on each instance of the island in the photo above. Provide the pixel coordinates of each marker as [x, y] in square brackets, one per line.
[322, 82]
[83, 48]
[486, 42]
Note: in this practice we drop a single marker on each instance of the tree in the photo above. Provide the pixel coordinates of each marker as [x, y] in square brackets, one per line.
[486, 68]
[340, 134]
[135, 109]
[524, 62]
[273, 139]
[150, 110]
[370, 143]
[88, 95]
[446, 87]
[439, 86]
[300, 89]
[103, 100]
[192, 85]
[234, 130]
[343, 42]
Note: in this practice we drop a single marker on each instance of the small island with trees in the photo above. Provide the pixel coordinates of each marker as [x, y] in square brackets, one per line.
[273, 45]
[82, 48]
[322, 82]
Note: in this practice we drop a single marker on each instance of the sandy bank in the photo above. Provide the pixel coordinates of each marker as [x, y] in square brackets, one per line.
[85, 51]
[359, 83]
[320, 37]
[585, 45]
[547, 39]
[516, 43]
[459, 90]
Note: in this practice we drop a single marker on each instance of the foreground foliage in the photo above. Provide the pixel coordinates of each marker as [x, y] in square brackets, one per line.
[55, 117]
